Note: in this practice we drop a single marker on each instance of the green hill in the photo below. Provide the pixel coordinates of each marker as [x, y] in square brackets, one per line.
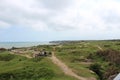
[89, 59]
[14, 67]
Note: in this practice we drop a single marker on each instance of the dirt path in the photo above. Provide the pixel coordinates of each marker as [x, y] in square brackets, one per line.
[60, 64]
[27, 56]
[99, 48]
[19, 53]
[65, 68]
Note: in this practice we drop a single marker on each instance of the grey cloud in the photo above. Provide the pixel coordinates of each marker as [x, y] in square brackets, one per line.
[60, 27]
[15, 15]
[55, 4]
[43, 11]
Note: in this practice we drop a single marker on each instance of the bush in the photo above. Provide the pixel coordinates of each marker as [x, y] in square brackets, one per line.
[117, 43]
[28, 73]
[6, 57]
[2, 49]
[6, 76]
[97, 69]
[112, 70]
[75, 53]
[90, 56]
[107, 45]
[37, 59]
[73, 60]
[112, 56]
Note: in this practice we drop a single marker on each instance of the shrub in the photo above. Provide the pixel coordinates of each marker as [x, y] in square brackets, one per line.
[106, 45]
[75, 53]
[112, 56]
[90, 56]
[6, 76]
[97, 69]
[28, 73]
[37, 59]
[112, 70]
[6, 57]
[2, 49]
[117, 43]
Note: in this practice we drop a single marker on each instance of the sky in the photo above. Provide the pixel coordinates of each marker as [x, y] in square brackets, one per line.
[49, 20]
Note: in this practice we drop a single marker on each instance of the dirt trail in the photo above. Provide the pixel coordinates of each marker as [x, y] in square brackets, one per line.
[19, 53]
[99, 48]
[65, 68]
[60, 64]
[27, 56]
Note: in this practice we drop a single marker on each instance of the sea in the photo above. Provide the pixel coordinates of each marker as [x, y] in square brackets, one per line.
[9, 45]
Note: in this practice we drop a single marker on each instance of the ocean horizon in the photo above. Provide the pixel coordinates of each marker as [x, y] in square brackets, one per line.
[9, 45]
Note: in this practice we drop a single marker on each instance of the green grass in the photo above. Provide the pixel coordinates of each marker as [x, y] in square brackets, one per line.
[21, 68]
[73, 54]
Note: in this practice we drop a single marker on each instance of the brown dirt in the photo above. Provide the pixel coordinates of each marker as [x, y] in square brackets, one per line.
[20, 53]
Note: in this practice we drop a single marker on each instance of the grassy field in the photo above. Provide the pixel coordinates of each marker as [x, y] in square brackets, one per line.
[76, 56]
[13, 67]
[98, 59]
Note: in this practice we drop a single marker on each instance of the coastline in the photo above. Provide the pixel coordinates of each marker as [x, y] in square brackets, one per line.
[8, 45]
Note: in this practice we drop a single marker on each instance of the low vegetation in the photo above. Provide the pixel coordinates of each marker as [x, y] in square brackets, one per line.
[89, 59]
[15, 67]
[101, 57]
[112, 58]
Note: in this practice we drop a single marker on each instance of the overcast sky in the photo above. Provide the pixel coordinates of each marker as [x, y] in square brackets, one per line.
[46, 20]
